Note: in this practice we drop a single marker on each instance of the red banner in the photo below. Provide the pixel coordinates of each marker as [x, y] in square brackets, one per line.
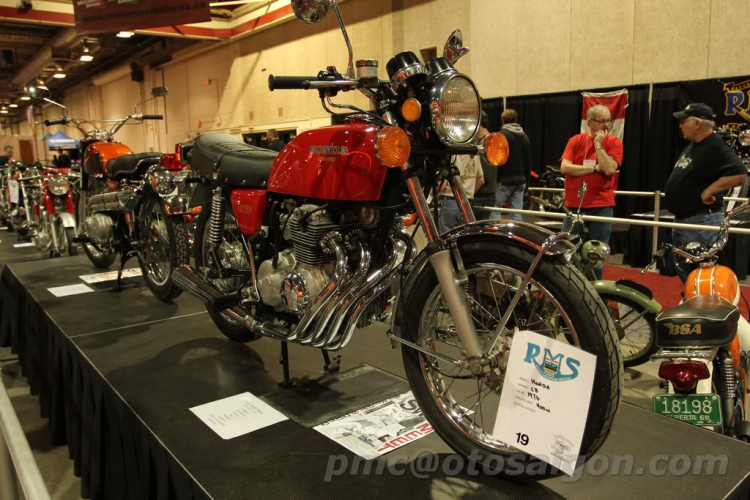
[616, 101]
[107, 16]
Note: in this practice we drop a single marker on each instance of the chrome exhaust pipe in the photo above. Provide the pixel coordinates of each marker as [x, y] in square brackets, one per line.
[377, 284]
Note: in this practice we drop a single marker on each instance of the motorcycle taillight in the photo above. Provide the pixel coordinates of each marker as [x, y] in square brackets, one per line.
[684, 375]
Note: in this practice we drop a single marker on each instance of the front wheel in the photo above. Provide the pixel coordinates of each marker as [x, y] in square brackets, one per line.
[164, 247]
[636, 329]
[65, 235]
[557, 302]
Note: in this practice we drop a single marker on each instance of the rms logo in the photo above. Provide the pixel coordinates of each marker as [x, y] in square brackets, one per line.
[329, 150]
[555, 368]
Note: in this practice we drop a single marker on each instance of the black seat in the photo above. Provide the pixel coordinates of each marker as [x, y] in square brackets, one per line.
[131, 165]
[700, 321]
[238, 164]
[553, 169]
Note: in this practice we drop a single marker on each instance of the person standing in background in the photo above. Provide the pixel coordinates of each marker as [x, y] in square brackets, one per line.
[472, 179]
[485, 197]
[274, 143]
[7, 156]
[511, 177]
[63, 160]
[594, 158]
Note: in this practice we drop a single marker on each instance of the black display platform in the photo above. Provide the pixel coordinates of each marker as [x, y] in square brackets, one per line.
[116, 374]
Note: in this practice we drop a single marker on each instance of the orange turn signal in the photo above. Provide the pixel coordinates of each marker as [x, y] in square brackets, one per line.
[392, 146]
[496, 149]
[411, 110]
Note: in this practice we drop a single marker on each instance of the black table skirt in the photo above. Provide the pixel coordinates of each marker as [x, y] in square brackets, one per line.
[114, 454]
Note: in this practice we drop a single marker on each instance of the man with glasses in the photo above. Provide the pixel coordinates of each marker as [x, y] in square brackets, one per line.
[706, 168]
[593, 157]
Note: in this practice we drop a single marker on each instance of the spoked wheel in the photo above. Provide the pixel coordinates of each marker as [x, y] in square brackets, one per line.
[636, 329]
[558, 302]
[164, 247]
[232, 254]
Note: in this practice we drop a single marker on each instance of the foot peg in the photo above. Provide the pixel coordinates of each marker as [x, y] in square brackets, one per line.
[82, 239]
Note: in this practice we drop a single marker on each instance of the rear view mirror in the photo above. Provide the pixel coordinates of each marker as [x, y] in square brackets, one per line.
[454, 47]
[310, 11]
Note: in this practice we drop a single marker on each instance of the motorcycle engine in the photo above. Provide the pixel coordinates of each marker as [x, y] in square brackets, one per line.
[305, 269]
[100, 228]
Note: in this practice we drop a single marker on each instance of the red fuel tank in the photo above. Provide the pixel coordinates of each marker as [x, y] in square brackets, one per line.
[331, 163]
[99, 153]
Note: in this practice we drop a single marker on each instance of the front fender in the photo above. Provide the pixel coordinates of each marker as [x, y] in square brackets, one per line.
[626, 291]
[67, 219]
[511, 232]
[177, 204]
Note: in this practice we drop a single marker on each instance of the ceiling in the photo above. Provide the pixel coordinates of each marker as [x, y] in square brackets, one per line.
[30, 53]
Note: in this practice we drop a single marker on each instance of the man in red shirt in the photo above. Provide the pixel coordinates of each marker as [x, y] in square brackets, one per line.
[593, 158]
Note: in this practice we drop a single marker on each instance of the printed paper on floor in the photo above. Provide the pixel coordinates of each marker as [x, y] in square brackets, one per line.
[380, 428]
[111, 275]
[64, 291]
[237, 415]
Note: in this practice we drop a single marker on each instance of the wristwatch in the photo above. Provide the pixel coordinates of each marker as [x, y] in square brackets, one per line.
[596, 168]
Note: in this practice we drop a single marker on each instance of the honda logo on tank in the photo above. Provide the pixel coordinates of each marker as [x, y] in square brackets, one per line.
[102, 16]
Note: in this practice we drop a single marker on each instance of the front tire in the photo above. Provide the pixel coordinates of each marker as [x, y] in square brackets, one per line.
[636, 329]
[65, 243]
[558, 301]
[164, 247]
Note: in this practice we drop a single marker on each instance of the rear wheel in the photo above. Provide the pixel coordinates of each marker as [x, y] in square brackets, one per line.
[164, 247]
[231, 252]
[558, 302]
[636, 329]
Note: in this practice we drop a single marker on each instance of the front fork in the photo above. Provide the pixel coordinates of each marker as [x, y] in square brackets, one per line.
[451, 278]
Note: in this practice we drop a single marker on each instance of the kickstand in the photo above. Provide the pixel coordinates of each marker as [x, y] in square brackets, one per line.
[287, 383]
[123, 260]
[331, 367]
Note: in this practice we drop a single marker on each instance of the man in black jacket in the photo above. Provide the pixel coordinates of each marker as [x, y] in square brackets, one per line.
[274, 143]
[511, 177]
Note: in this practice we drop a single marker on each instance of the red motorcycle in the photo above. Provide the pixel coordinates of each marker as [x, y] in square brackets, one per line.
[55, 212]
[307, 245]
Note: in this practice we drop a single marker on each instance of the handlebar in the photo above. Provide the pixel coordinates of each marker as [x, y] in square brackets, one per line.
[56, 121]
[152, 117]
[290, 82]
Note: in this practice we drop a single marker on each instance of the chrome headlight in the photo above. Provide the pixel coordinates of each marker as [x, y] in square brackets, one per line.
[595, 253]
[455, 107]
[58, 185]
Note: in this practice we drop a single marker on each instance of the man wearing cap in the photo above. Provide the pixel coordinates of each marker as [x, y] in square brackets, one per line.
[706, 168]
[594, 158]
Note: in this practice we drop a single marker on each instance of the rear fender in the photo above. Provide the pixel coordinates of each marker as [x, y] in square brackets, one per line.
[511, 233]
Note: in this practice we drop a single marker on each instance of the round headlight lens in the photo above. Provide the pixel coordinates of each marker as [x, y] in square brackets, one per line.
[58, 185]
[456, 111]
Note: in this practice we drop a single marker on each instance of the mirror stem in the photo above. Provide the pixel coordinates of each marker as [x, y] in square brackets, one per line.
[350, 67]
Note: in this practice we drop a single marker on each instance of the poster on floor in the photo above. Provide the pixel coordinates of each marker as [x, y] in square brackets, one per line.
[111, 275]
[380, 428]
[64, 291]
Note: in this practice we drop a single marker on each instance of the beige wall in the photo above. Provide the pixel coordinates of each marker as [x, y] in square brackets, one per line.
[519, 47]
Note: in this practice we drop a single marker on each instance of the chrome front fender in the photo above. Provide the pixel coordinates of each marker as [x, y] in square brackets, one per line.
[177, 204]
[67, 219]
[160, 180]
[510, 232]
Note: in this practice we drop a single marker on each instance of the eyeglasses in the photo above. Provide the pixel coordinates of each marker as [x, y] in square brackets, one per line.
[605, 120]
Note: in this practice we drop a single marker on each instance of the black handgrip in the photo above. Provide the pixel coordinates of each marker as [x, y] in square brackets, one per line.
[290, 82]
[153, 117]
[56, 121]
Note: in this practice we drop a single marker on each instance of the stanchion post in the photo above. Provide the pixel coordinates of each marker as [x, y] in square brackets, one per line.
[8, 487]
[655, 234]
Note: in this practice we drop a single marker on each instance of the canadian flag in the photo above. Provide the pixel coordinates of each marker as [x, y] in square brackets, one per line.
[616, 101]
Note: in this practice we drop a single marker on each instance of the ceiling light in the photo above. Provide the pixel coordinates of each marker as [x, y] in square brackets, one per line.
[125, 34]
[59, 74]
[13, 105]
[87, 57]
[26, 98]
[4, 111]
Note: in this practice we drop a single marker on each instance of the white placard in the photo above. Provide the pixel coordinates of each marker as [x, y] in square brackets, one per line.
[237, 415]
[13, 187]
[380, 428]
[64, 291]
[111, 275]
[3, 228]
[545, 399]
[24, 245]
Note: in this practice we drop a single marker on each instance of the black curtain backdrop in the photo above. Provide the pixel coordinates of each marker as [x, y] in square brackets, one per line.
[531, 117]
[633, 173]
[493, 108]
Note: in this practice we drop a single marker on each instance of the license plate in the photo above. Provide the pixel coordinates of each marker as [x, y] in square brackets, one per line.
[697, 409]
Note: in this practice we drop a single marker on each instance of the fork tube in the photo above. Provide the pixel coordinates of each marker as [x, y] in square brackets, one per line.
[463, 202]
[439, 256]
[420, 204]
